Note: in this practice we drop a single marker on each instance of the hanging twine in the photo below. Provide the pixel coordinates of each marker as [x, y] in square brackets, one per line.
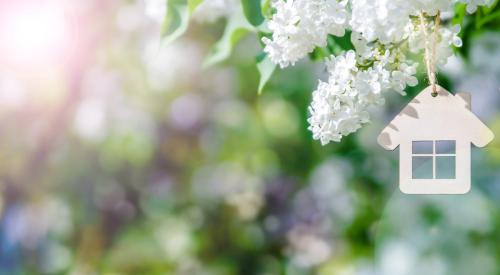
[430, 50]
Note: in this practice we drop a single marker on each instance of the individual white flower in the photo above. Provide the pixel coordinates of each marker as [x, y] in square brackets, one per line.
[210, 11]
[299, 26]
[343, 66]
[448, 37]
[416, 39]
[363, 50]
[472, 4]
[456, 40]
[384, 58]
[404, 77]
[367, 83]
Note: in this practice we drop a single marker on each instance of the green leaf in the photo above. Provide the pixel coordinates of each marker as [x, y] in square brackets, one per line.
[176, 20]
[267, 8]
[489, 18]
[253, 11]
[193, 4]
[489, 8]
[237, 27]
[319, 53]
[460, 13]
[266, 68]
[337, 44]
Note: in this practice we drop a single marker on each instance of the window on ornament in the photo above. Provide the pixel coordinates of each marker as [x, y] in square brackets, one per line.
[433, 159]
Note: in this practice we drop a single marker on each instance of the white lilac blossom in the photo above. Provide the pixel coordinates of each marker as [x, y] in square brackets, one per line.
[298, 26]
[390, 21]
[340, 106]
[382, 33]
[386, 21]
[403, 77]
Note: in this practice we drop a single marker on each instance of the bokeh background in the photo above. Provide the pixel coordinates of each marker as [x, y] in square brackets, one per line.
[120, 154]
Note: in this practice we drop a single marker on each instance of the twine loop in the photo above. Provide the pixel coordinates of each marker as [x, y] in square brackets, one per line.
[430, 50]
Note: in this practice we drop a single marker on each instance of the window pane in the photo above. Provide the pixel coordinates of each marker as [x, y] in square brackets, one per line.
[422, 168]
[422, 147]
[445, 167]
[445, 147]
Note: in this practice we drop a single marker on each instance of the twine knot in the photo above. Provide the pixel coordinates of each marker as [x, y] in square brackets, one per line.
[430, 50]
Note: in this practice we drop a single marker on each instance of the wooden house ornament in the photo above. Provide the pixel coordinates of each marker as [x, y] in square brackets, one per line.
[434, 134]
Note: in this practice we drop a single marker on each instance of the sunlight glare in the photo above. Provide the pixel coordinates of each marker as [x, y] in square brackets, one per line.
[33, 33]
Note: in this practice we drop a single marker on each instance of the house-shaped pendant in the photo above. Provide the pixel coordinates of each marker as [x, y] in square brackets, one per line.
[434, 135]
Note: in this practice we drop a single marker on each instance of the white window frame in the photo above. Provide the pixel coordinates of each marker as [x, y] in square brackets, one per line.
[433, 155]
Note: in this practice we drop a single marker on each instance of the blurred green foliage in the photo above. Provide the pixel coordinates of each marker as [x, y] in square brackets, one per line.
[157, 166]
